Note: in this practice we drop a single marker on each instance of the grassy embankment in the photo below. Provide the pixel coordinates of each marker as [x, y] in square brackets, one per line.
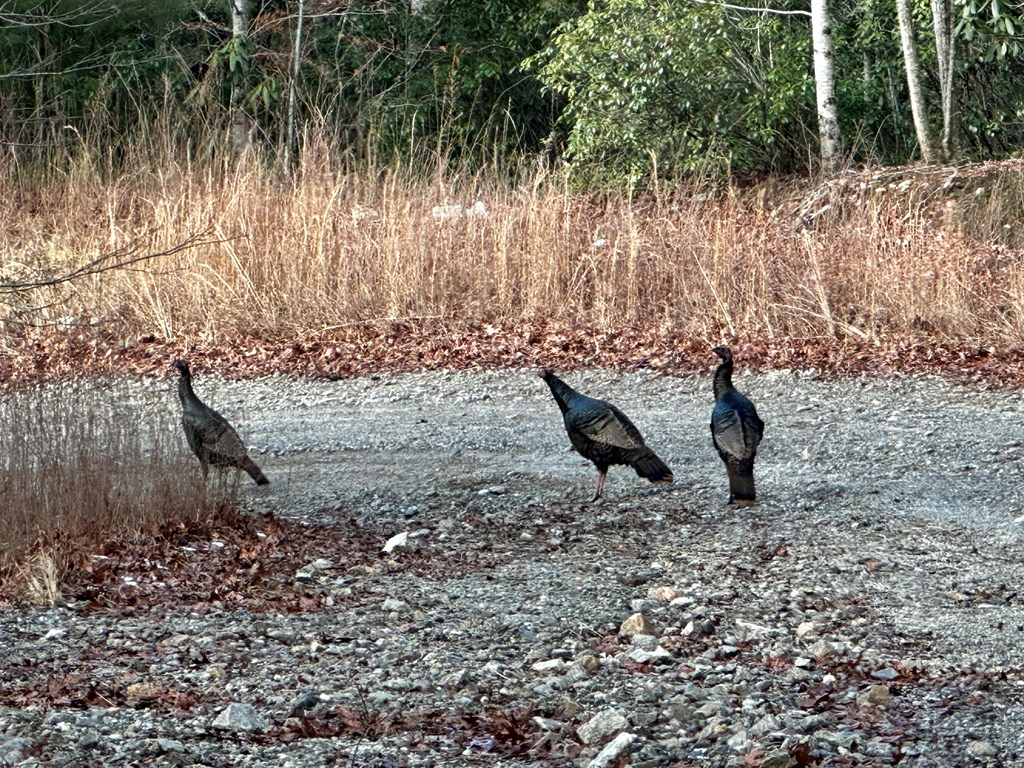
[866, 256]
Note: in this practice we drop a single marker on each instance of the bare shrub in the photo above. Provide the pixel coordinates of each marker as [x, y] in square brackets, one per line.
[81, 465]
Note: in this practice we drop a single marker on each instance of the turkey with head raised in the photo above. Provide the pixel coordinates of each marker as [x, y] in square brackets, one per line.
[736, 430]
[211, 438]
[603, 434]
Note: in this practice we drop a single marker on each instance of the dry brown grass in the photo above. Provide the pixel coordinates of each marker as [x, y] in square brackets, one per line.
[864, 255]
[81, 466]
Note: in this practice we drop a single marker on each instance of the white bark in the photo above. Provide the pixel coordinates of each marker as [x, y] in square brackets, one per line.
[925, 141]
[240, 123]
[945, 53]
[825, 86]
[239, 17]
[292, 84]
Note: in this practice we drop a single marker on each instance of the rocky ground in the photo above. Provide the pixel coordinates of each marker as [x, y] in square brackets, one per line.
[865, 613]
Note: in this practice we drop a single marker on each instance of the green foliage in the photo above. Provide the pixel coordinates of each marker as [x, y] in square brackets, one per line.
[684, 87]
[445, 78]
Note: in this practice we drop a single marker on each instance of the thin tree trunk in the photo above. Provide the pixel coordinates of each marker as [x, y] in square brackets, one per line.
[945, 53]
[240, 123]
[929, 150]
[825, 86]
[296, 65]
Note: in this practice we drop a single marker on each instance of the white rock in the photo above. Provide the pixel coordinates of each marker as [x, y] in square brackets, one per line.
[169, 745]
[886, 673]
[602, 724]
[240, 717]
[641, 656]
[548, 665]
[398, 540]
[982, 748]
[391, 605]
[612, 750]
[751, 630]
[805, 628]
[308, 572]
[477, 210]
[546, 724]
[447, 212]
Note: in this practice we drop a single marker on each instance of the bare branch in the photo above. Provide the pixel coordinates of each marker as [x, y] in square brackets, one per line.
[749, 9]
[37, 17]
[119, 259]
[37, 70]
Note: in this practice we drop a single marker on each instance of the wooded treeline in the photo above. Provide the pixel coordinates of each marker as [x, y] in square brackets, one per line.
[614, 91]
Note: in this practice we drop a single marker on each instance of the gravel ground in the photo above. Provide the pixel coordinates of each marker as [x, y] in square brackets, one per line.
[865, 612]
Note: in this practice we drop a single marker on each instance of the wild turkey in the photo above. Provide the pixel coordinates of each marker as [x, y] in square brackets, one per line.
[209, 435]
[602, 433]
[736, 430]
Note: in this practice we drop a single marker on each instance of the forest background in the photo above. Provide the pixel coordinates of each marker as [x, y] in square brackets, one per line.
[327, 187]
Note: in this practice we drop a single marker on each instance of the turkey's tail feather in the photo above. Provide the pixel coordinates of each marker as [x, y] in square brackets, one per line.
[741, 480]
[650, 467]
[254, 472]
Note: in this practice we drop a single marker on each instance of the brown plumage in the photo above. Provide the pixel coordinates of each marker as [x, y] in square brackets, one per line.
[736, 430]
[211, 438]
[602, 433]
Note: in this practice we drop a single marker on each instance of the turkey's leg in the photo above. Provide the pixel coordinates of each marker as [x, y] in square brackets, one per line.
[600, 484]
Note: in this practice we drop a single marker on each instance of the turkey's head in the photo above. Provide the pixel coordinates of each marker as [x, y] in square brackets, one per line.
[723, 352]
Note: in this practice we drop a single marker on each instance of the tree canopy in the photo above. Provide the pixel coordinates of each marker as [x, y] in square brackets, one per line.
[616, 90]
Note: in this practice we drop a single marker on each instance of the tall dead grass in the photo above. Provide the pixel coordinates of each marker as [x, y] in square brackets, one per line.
[80, 465]
[865, 255]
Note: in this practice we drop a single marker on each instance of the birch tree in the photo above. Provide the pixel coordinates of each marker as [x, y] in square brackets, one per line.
[240, 123]
[925, 139]
[945, 53]
[825, 86]
[292, 85]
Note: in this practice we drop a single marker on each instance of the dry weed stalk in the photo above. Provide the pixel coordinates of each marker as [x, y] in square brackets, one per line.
[38, 579]
[336, 246]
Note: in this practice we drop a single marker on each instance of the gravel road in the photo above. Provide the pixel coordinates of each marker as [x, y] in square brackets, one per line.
[865, 612]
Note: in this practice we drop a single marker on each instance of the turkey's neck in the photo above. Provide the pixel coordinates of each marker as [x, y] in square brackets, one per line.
[185, 393]
[563, 392]
[723, 378]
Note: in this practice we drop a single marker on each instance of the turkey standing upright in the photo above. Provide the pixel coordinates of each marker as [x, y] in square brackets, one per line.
[602, 433]
[211, 438]
[736, 430]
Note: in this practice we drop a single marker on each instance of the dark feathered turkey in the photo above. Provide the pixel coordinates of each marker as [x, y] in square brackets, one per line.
[211, 438]
[736, 430]
[602, 433]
